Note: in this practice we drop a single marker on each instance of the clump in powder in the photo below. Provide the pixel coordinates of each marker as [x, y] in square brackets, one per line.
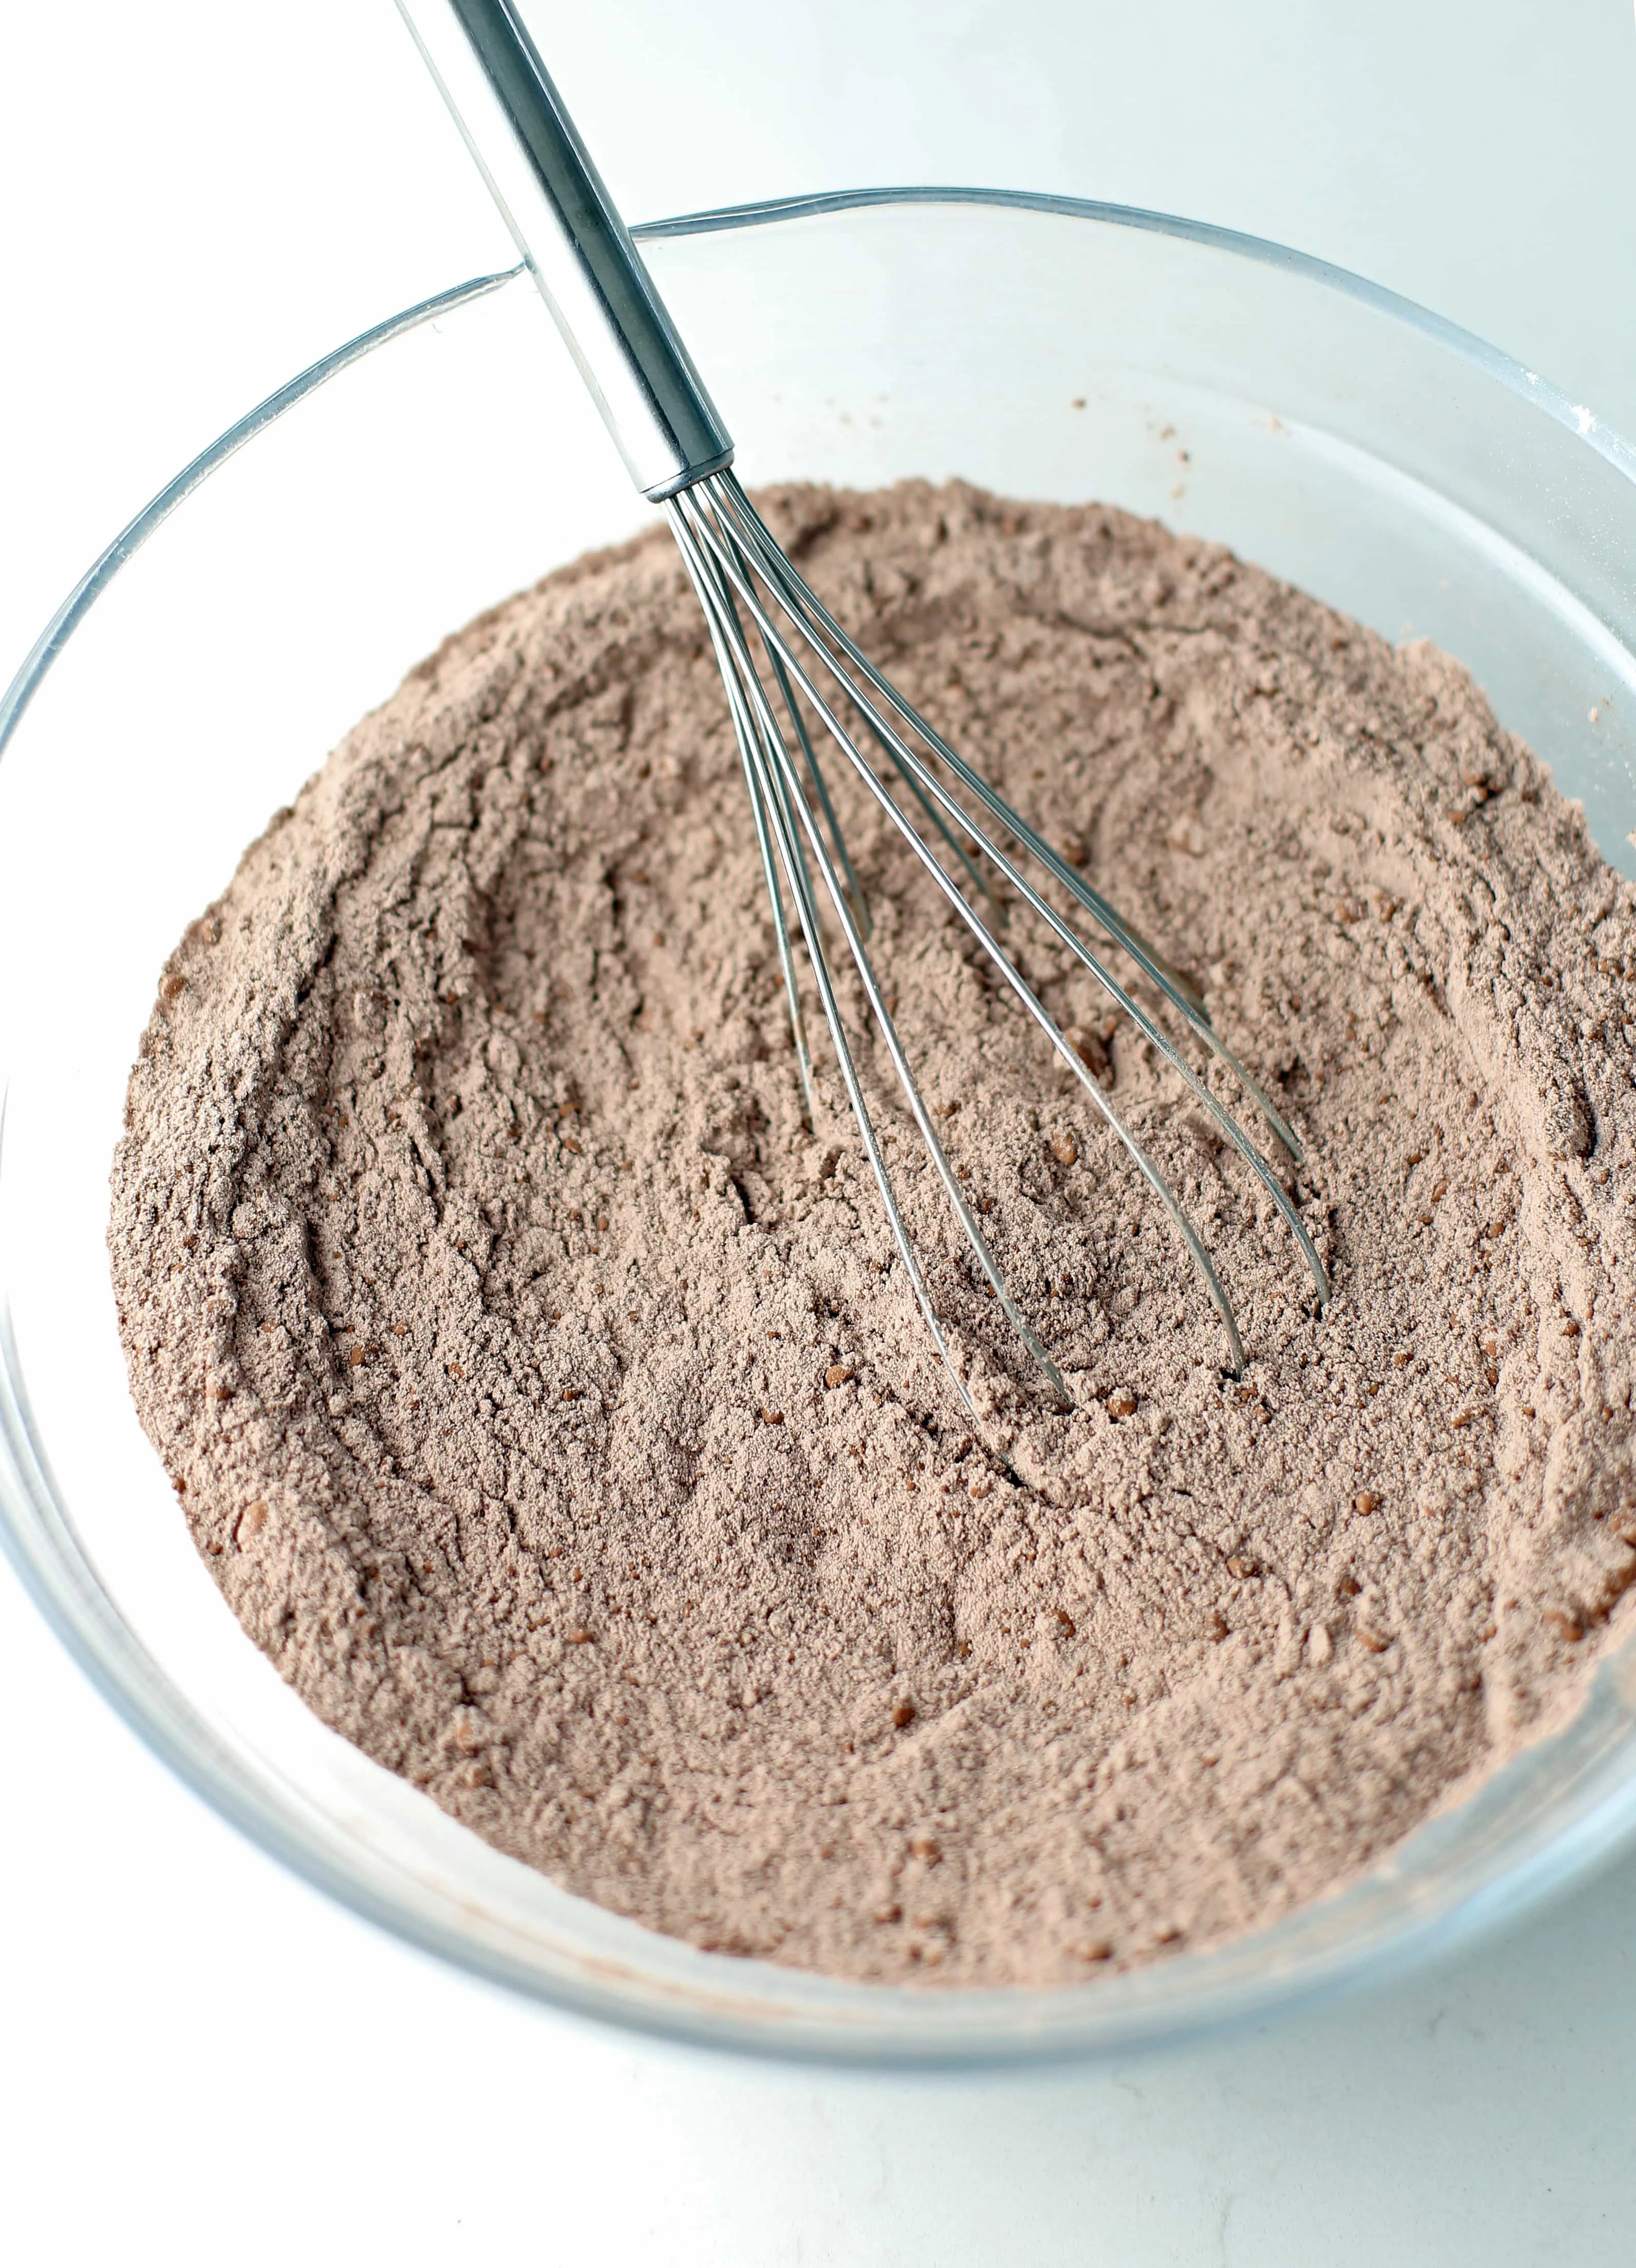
[550, 1406]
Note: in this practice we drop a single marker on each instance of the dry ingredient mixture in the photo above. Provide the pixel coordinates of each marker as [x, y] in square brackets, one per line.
[552, 1410]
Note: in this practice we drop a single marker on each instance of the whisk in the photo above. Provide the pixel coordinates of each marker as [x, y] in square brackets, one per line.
[778, 647]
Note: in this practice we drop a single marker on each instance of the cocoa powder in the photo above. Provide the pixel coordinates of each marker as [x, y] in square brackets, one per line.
[551, 1407]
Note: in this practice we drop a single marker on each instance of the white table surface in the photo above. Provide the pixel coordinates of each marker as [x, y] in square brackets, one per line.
[202, 2060]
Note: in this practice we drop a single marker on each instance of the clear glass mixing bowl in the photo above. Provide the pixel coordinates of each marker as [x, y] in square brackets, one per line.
[1342, 438]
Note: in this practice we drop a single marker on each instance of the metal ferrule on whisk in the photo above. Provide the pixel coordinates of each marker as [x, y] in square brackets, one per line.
[576, 247]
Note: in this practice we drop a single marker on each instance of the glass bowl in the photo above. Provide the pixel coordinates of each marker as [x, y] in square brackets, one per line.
[1347, 440]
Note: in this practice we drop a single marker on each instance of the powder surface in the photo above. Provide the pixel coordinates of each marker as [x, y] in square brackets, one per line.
[551, 1407]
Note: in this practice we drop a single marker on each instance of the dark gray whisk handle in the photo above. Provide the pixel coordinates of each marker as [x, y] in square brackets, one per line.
[578, 250]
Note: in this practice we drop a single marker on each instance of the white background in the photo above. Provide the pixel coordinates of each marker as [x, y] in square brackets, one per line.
[201, 2061]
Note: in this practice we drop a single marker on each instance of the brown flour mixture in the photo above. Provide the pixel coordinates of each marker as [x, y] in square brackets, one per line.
[553, 1414]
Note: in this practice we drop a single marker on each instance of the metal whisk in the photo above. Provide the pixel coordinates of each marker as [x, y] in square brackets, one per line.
[783, 657]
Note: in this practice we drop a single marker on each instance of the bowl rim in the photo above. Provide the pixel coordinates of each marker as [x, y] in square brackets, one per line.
[41, 1544]
[1528, 384]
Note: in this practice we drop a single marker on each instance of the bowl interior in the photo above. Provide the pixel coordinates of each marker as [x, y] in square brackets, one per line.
[1395, 469]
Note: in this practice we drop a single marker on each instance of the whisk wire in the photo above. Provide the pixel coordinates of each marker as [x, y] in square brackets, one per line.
[689, 511]
[724, 551]
[786, 963]
[820, 786]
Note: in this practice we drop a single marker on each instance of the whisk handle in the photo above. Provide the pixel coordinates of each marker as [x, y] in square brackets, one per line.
[578, 250]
